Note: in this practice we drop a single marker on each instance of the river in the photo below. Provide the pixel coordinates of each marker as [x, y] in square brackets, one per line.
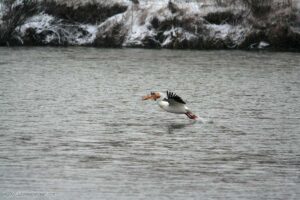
[73, 125]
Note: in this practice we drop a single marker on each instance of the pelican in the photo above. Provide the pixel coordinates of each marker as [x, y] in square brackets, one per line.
[170, 102]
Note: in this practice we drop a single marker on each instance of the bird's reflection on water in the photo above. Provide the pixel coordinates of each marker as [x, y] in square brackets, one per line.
[170, 126]
[175, 126]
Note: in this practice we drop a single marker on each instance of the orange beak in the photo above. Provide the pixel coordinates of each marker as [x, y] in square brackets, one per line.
[153, 96]
[149, 96]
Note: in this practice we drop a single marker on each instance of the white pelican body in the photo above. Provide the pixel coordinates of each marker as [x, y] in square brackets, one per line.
[177, 109]
[171, 102]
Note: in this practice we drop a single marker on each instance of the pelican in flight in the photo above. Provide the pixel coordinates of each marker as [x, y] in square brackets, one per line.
[171, 102]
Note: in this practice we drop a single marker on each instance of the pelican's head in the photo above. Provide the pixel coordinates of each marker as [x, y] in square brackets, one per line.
[153, 95]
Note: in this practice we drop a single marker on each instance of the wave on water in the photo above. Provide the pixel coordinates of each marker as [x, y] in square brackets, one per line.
[152, 24]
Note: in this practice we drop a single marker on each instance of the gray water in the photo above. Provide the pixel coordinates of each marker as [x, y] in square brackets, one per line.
[73, 126]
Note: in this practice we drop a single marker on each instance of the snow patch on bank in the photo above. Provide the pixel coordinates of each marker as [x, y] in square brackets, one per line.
[58, 32]
[232, 35]
[89, 38]
[138, 23]
[139, 18]
[40, 22]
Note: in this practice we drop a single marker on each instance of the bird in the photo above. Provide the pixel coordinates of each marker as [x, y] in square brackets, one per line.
[170, 102]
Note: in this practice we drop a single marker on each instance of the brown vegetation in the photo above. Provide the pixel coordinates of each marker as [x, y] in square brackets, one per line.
[110, 35]
[223, 17]
[91, 12]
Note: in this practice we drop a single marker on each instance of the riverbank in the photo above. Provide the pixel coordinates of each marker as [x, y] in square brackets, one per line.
[242, 24]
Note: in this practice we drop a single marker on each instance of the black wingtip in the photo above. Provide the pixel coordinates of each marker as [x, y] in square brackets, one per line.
[175, 97]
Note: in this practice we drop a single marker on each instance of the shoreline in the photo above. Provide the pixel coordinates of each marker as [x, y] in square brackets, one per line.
[156, 49]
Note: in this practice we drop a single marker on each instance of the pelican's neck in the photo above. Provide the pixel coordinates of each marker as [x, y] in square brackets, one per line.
[160, 101]
[162, 96]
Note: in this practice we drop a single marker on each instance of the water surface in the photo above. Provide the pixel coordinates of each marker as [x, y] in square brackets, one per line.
[72, 124]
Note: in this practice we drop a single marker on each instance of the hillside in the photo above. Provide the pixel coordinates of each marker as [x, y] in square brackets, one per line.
[235, 24]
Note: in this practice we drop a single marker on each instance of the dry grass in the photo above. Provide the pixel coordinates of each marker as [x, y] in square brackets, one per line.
[110, 37]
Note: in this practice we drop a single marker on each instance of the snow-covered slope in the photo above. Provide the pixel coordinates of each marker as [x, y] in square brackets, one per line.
[152, 24]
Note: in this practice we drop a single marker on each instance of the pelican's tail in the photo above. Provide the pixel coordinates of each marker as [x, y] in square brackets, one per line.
[191, 115]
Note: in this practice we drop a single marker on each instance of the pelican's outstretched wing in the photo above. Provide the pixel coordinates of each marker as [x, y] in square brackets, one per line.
[174, 98]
